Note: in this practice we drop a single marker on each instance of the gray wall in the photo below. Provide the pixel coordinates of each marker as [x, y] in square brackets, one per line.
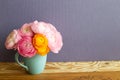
[90, 28]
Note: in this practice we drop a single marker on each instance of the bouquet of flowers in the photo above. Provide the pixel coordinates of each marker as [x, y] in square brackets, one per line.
[35, 38]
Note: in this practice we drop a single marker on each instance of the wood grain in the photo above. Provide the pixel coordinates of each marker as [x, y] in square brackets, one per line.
[98, 70]
[56, 67]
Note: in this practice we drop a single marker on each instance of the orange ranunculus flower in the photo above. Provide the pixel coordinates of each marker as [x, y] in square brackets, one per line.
[40, 43]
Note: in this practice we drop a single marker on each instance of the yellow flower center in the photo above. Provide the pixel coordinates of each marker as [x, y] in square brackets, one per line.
[40, 40]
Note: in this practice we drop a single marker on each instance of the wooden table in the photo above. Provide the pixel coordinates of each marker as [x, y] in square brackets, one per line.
[103, 70]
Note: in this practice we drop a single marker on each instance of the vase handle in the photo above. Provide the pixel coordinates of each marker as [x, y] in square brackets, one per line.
[22, 65]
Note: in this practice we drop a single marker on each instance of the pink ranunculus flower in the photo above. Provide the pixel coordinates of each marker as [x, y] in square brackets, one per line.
[39, 27]
[12, 39]
[54, 37]
[55, 42]
[25, 47]
[25, 30]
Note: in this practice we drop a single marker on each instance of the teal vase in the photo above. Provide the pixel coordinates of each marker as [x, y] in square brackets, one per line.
[34, 65]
